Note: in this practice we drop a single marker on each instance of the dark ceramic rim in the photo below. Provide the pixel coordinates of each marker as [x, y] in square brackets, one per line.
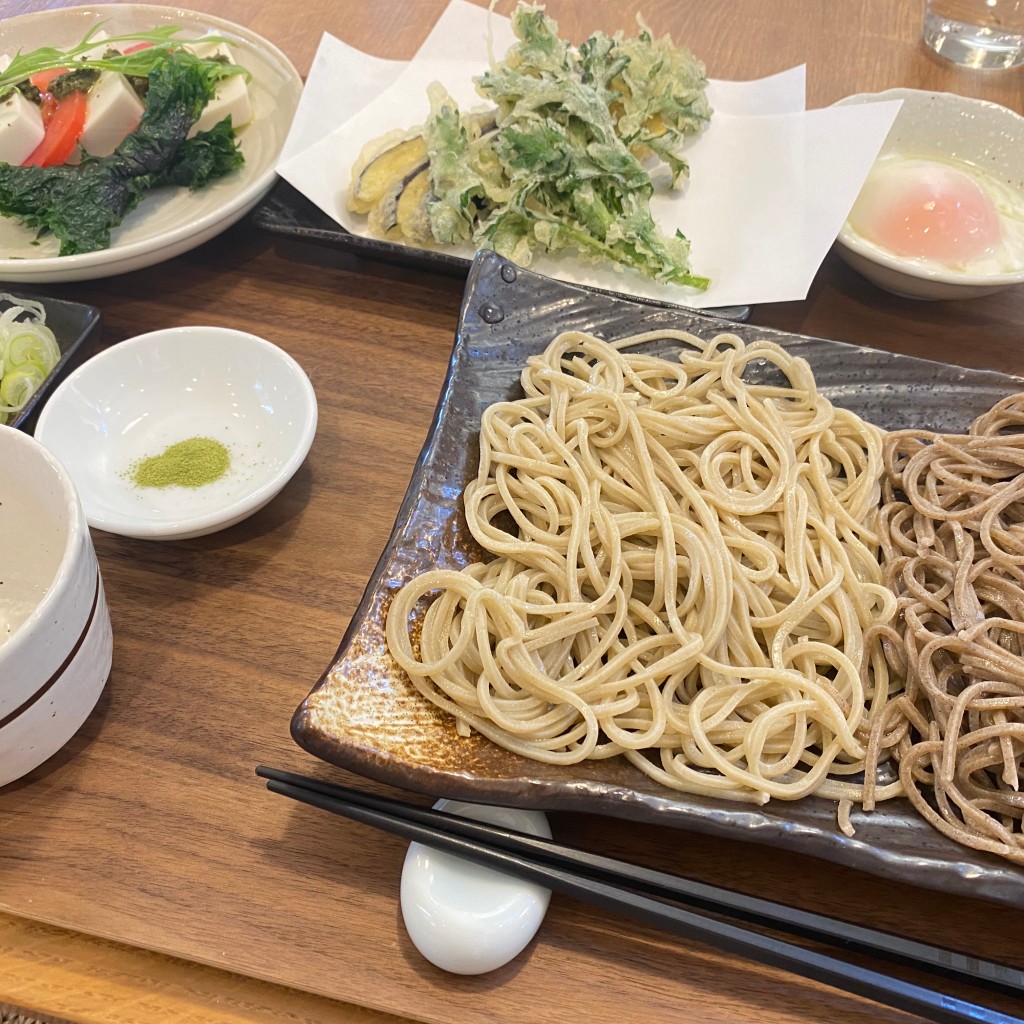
[896, 842]
[287, 213]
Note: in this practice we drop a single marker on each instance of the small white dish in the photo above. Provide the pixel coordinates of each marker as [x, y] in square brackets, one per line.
[466, 918]
[134, 400]
[55, 638]
[168, 221]
[953, 130]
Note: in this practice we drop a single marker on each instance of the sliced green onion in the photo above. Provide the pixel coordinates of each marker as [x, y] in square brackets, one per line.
[28, 353]
[34, 343]
[21, 306]
[18, 386]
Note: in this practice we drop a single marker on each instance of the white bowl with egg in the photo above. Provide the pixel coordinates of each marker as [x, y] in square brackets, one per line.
[55, 637]
[180, 397]
[941, 213]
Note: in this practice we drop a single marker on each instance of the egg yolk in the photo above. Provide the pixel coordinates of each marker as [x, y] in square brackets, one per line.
[925, 210]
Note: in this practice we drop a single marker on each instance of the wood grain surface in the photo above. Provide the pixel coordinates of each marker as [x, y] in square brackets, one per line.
[146, 854]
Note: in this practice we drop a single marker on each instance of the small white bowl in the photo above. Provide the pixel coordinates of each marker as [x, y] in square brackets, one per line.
[134, 400]
[55, 638]
[946, 127]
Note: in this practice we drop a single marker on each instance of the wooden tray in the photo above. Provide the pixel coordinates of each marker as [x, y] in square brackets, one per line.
[151, 828]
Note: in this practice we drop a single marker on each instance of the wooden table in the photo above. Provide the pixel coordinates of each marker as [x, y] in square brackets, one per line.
[146, 875]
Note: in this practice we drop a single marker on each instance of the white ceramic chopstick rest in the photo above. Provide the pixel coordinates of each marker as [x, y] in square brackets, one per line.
[466, 918]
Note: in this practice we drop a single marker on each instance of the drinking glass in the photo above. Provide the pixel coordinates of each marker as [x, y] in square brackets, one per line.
[986, 34]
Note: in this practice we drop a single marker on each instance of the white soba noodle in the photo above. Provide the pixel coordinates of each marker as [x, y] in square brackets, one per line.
[684, 565]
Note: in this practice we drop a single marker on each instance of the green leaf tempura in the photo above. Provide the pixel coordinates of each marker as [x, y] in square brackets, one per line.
[562, 161]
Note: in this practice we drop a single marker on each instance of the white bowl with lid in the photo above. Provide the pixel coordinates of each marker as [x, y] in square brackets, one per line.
[982, 140]
[56, 642]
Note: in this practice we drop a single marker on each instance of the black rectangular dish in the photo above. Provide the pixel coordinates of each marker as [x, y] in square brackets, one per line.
[365, 715]
[73, 324]
[287, 213]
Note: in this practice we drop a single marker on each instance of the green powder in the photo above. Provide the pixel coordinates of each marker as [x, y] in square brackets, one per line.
[194, 462]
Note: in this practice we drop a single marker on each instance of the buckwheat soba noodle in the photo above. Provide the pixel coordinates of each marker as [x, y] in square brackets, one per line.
[952, 531]
[684, 570]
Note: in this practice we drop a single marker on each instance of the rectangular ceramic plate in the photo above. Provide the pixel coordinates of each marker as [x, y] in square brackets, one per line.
[365, 716]
[72, 324]
[286, 212]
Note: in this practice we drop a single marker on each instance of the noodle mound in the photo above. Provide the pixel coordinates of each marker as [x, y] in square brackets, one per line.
[953, 534]
[684, 571]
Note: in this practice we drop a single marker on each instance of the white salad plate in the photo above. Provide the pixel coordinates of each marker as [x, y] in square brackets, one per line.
[168, 221]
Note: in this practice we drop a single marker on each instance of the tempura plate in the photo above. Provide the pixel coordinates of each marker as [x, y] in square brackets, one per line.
[287, 213]
[168, 221]
[365, 716]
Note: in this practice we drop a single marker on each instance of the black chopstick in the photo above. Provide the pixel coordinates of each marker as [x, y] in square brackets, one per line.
[607, 883]
[750, 909]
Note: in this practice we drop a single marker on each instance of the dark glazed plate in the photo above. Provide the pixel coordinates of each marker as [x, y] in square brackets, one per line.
[72, 324]
[286, 212]
[365, 716]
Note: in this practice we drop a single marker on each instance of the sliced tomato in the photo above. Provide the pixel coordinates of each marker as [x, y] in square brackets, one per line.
[62, 132]
[42, 79]
[47, 106]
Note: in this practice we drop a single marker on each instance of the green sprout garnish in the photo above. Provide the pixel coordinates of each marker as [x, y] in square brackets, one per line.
[140, 63]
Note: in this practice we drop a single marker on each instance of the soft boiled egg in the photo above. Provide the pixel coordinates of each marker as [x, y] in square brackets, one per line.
[941, 214]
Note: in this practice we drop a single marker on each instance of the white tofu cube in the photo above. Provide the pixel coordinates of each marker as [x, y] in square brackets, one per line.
[101, 47]
[112, 111]
[205, 49]
[231, 97]
[21, 128]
